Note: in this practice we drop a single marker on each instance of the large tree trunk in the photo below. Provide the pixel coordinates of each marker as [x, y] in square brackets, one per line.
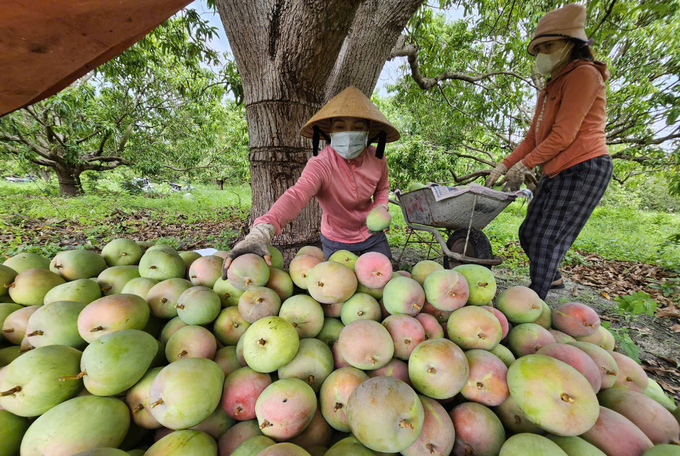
[69, 180]
[285, 51]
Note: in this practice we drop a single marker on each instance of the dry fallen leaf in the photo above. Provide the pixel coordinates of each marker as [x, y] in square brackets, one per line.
[676, 328]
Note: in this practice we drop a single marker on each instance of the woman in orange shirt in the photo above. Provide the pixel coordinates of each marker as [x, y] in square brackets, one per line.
[566, 139]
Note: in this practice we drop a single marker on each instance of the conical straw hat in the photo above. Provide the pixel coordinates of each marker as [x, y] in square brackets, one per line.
[351, 102]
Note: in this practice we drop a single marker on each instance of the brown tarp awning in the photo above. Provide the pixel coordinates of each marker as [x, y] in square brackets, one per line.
[45, 45]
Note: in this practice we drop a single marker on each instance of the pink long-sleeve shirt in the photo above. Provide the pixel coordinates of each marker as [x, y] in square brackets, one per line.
[347, 190]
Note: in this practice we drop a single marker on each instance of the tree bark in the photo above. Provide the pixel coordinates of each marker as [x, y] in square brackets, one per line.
[69, 180]
[286, 51]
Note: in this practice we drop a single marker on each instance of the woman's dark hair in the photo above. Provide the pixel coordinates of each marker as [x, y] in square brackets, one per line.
[581, 50]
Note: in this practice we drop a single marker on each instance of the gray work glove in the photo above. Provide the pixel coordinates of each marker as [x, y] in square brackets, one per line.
[257, 242]
[515, 177]
[496, 173]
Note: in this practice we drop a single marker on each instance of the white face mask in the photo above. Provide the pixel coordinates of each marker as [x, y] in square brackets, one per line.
[349, 144]
[546, 62]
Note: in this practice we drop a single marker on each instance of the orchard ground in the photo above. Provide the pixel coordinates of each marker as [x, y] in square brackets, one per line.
[622, 263]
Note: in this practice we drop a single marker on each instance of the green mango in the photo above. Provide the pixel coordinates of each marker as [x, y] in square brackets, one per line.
[9, 354]
[575, 446]
[31, 384]
[122, 252]
[56, 324]
[530, 445]
[184, 443]
[12, 430]
[161, 264]
[7, 276]
[30, 287]
[253, 445]
[25, 261]
[77, 264]
[113, 279]
[5, 310]
[102, 452]
[116, 361]
[81, 290]
[79, 424]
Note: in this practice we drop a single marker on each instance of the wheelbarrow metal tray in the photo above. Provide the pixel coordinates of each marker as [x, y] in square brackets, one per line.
[420, 207]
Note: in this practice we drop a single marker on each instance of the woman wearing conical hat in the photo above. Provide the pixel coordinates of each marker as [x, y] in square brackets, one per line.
[348, 177]
[567, 139]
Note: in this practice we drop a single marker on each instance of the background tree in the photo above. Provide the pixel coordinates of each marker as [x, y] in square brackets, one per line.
[142, 104]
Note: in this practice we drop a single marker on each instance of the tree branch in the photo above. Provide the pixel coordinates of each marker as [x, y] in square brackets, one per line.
[466, 179]
[606, 15]
[472, 157]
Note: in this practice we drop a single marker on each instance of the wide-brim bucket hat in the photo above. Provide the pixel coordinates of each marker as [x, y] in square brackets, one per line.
[566, 22]
[351, 102]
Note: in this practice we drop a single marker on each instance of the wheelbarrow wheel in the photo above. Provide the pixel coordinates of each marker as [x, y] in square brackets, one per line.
[478, 246]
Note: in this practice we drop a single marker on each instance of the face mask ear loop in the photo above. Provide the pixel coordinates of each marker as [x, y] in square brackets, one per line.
[382, 140]
[315, 140]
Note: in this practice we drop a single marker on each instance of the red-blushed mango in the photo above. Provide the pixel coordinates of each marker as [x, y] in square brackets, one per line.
[241, 390]
[113, 279]
[312, 363]
[162, 297]
[139, 286]
[385, 414]
[474, 327]
[80, 423]
[575, 446]
[602, 338]
[530, 444]
[514, 419]
[373, 269]
[24, 261]
[236, 435]
[504, 354]
[553, 395]
[304, 313]
[230, 326]
[334, 394]
[30, 287]
[206, 270]
[228, 293]
[14, 326]
[317, 433]
[378, 219]
[313, 251]
[285, 408]
[345, 257]
[338, 360]
[446, 289]
[198, 305]
[216, 424]
[560, 337]
[615, 434]
[576, 358]
[481, 283]
[487, 382]
[395, 368]
[186, 392]
[269, 343]
[422, 269]
[226, 358]
[137, 399]
[366, 344]
[360, 306]
[545, 319]
[478, 430]
[188, 442]
[438, 368]
[441, 315]
[112, 313]
[605, 362]
[281, 283]
[332, 310]
[330, 331]
[252, 446]
[505, 326]
[189, 257]
[520, 304]
[438, 434]
[191, 342]
[631, 375]
[55, 324]
[406, 332]
[77, 264]
[258, 302]
[651, 417]
[247, 271]
[170, 328]
[300, 267]
[575, 319]
[528, 338]
[330, 282]
[403, 295]
[433, 330]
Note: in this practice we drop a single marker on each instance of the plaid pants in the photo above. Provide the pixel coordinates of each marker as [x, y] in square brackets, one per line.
[557, 214]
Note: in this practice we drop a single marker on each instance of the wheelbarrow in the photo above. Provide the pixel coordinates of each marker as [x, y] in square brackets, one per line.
[461, 218]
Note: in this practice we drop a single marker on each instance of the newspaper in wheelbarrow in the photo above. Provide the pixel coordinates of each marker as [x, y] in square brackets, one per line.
[441, 192]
